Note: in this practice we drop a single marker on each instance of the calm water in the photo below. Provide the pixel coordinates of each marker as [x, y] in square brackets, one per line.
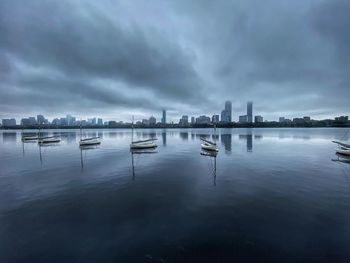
[272, 195]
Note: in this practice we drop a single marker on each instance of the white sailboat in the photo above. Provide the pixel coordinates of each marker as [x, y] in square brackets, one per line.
[343, 148]
[49, 139]
[88, 141]
[142, 144]
[30, 137]
[210, 145]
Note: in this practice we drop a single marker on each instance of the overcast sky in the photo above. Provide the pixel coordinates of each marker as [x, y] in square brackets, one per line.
[113, 59]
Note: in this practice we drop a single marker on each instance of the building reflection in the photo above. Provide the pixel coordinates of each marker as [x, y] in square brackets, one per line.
[164, 137]
[9, 137]
[184, 135]
[226, 140]
[249, 139]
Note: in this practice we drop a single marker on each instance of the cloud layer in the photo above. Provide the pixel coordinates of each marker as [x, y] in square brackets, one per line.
[117, 58]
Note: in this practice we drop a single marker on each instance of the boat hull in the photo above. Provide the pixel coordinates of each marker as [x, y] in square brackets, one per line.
[142, 145]
[89, 142]
[53, 140]
[343, 151]
[30, 138]
[209, 147]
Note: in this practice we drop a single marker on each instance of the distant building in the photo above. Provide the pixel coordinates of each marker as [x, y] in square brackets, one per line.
[226, 114]
[145, 122]
[8, 122]
[258, 119]
[243, 119]
[25, 122]
[164, 117]
[193, 120]
[32, 121]
[342, 119]
[94, 121]
[99, 121]
[215, 118]
[152, 120]
[63, 121]
[281, 119]
[307, 119]
[203, 120]
[250, 111]
[56, 122]
[183, 121]
[41, 119]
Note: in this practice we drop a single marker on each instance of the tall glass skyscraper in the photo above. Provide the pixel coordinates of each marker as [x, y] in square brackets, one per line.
[164, 117]
[250, 111]
[226, 114]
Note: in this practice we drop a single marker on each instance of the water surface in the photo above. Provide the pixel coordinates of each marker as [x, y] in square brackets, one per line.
[273, 195]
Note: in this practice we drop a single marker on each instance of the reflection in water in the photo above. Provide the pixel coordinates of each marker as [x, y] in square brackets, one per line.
[164, 137]
[249, 139]
[139, 152]
[9, 137]
[85, 148]
[184, 135]
[213, 155]
[226, 140]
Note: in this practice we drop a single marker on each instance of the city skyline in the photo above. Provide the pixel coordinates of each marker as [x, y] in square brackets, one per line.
[185, 121]
[118, 60]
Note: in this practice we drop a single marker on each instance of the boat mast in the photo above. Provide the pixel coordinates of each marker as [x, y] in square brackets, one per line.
[80, 131]
[132, 129]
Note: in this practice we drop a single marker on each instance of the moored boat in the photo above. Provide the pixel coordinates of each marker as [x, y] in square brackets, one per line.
[51, 139]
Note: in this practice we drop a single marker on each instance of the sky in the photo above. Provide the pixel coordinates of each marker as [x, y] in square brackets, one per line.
[115, 59]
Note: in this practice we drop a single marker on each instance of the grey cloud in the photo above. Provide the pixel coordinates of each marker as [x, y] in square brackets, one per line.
[286, 56]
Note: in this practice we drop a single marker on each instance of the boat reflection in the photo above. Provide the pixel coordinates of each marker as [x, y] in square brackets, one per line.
[139, 152]
[211, 154]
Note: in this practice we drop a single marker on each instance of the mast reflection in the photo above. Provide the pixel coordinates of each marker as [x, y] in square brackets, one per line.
[139, 152]
[85, 148]
[211, 154]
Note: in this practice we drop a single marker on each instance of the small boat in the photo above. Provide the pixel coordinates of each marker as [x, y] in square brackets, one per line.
[209, 145]
[143, 144]
[343, 151]
[51, 139]
[90, 141]
[30, 138]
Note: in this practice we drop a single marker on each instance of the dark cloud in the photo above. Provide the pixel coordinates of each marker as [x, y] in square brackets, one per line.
[289, 57]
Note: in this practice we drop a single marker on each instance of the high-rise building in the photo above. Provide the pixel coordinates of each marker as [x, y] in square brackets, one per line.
[203, 120]
[193, 120]
[281, 119]
[40, 119]
[215, 118]
[250, 111]
[69, 119]
[152, 120]
[99, 121]
[226, 114]
[183, 121]
[164, 117]
[32, 121]
[258, 119]
[243, 119]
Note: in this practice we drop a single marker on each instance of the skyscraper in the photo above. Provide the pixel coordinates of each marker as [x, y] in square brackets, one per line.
[164, 117]
[250, 111]
[226, 114]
